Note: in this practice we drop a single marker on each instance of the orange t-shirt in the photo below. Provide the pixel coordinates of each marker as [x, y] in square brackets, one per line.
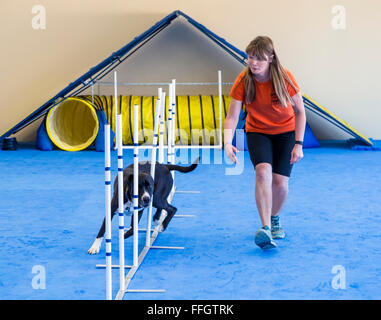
[265, 114]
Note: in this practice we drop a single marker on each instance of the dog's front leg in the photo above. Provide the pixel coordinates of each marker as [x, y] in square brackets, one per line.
[156, 217]
[171, 210]
[130, 230]
[94, 249]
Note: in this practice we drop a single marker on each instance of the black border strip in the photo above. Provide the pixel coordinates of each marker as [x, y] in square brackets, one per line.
[214, 119]
[153, 113]
[202, 121]
[129, 116]
[223, 100]
[178, 118]
[141, 117]
[190, 120]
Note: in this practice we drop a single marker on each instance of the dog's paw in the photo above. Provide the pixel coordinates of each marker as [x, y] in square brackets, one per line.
[93, 250]
[158, 225]
[128, 233]
[95, 247]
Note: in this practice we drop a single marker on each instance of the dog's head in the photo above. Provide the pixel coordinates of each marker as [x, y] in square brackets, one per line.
[146, 186]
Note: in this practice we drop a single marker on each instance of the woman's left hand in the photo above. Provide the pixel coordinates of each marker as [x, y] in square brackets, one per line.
[296, 154]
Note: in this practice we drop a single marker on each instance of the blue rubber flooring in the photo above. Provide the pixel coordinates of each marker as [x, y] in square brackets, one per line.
[52, 205]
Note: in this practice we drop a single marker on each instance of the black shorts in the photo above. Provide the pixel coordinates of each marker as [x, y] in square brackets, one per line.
[274, 149]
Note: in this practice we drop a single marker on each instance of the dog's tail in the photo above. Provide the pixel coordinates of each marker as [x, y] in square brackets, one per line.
[183, 169]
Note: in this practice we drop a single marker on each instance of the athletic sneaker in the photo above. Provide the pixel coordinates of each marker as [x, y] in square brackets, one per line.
[263, 238]
[276, 229]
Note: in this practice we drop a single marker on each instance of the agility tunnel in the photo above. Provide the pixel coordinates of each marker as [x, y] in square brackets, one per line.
[73, 124]
[77, 122]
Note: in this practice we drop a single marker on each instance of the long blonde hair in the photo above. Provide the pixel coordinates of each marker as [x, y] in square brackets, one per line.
[262, 47]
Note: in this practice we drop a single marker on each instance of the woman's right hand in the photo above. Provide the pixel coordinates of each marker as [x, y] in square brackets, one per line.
[230, 124]
[231, 152]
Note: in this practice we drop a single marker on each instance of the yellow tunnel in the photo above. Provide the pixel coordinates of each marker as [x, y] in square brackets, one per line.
[196, 121]
[73, 124]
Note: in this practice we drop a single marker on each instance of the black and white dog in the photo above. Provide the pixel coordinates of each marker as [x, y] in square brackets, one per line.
[159, 189]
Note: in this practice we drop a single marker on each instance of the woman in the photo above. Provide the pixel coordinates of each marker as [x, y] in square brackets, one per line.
[275, 125]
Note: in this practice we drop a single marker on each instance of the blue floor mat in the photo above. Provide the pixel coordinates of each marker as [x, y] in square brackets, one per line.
[52, 205]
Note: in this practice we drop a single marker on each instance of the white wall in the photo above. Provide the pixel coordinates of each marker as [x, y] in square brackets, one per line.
[337, 68]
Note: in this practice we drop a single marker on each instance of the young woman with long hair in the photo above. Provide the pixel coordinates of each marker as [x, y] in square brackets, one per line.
[275, 125]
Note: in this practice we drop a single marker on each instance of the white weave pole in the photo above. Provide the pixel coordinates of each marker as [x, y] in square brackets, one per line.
[120, 200]
[153, 163]
[173, 151]
[161, 128]
[174, 110]
[170, 124]
[108, 212]
[115, 107]
[136, 186]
